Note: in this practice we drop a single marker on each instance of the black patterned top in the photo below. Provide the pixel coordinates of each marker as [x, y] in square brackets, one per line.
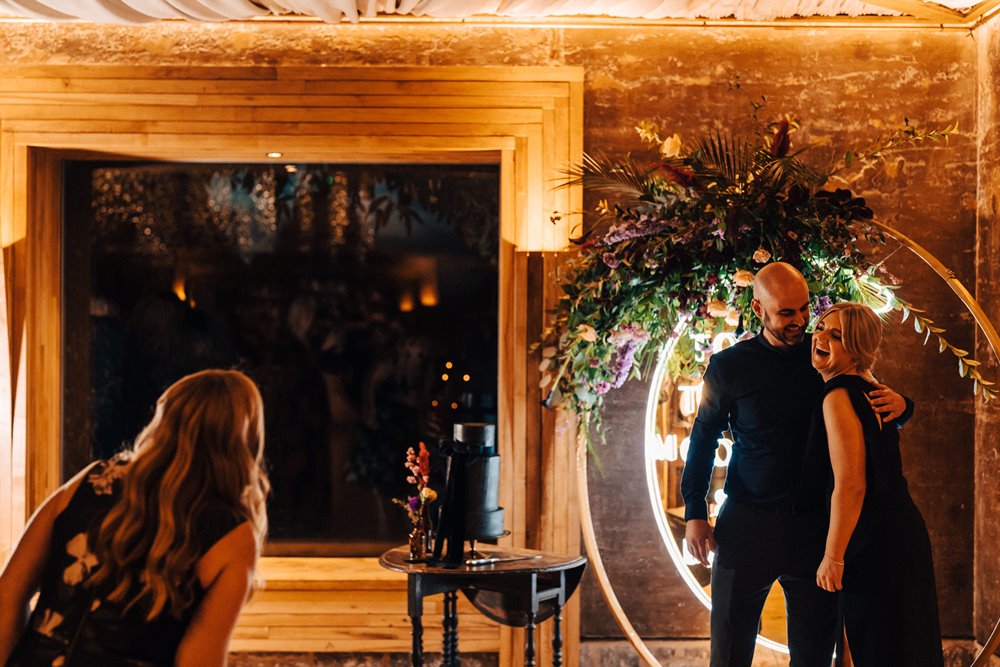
[74, 625]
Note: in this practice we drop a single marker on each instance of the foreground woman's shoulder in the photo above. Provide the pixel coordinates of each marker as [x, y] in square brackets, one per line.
[236, 549]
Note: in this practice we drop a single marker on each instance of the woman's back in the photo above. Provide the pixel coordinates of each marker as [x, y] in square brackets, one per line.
[75, 624]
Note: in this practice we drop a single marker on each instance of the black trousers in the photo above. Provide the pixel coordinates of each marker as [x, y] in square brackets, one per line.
[757, 547]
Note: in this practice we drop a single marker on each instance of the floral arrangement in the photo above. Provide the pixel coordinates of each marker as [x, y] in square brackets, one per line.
[418, 465]
[674, 254]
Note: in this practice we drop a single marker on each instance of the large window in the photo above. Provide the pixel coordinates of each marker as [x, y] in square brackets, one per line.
[361, 298]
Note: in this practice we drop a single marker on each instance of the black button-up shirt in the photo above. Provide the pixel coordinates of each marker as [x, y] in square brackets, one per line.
[765, 396]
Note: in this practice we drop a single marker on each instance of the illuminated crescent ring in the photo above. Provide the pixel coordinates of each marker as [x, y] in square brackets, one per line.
[586, 520]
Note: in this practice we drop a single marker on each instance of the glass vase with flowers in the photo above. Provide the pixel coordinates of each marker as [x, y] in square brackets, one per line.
[417, 506]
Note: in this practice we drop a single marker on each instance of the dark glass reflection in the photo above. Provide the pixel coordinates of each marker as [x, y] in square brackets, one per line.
[348, 292]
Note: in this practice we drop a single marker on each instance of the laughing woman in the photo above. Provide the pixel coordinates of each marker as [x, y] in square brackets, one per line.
[146, 559]
[877, 550]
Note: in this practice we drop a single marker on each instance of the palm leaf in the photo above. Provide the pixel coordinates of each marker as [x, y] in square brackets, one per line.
[622, 177]
[723, 158]
[774, 174]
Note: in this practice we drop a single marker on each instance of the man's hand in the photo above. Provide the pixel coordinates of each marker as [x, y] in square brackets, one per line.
[886, 403]
[700, 539]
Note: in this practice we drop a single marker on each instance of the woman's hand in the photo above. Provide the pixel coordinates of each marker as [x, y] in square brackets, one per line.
[830, 575]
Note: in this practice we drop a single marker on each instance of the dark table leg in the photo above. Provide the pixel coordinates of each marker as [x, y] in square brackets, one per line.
[557, 638]
[450, 626]
[417, 649]
[529, 644]
[415, 604]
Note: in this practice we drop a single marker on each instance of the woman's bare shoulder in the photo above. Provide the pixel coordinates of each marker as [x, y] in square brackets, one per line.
[237, 548]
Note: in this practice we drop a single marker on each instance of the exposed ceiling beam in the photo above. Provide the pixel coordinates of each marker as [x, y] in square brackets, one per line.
[983, 12]
[928, 11]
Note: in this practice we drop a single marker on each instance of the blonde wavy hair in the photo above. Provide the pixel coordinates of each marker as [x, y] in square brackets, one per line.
[860, 332]
[203, 448]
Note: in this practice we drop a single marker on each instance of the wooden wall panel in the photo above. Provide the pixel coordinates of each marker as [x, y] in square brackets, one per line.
[527, 119]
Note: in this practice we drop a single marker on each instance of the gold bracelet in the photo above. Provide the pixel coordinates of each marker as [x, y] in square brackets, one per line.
[834, 561]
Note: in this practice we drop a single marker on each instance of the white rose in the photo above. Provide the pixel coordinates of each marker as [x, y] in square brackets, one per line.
[733, 317]
[743, 278]
[671, 146]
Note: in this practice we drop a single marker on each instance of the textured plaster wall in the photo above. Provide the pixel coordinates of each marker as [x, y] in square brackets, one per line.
[845, 84]
[987, 559]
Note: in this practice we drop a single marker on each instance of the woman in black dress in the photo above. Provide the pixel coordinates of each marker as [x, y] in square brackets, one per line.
[878, 553]
[147, 559]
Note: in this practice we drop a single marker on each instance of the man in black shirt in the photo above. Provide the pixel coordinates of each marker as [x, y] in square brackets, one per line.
[773, 523]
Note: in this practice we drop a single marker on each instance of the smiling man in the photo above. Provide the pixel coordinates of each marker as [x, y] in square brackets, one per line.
[773, 524]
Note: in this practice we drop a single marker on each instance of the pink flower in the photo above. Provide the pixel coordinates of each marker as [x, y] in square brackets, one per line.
[602, 387]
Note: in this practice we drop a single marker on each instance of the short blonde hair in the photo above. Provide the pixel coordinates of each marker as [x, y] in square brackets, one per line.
[860, 331]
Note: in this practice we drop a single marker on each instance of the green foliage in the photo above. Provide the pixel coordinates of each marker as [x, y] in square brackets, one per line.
[674, 251]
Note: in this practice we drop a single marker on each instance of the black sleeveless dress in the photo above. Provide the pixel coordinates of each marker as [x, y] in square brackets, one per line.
[889, 603]
[74, 625]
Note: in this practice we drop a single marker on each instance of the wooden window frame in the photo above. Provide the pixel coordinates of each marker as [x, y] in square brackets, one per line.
[529, 120]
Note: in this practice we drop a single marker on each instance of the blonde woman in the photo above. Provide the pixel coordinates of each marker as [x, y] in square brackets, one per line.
[878, 553]
[146, 559]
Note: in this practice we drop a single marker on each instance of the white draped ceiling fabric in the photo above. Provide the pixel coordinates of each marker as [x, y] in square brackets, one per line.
[334, 11]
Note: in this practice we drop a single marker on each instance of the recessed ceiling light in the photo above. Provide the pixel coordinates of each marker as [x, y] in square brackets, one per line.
[275, 154]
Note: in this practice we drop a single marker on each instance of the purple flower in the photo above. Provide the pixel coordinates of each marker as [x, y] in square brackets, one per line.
[721, 233]
[822, 303]
[633, 229]
[602, 387]
[621, 362]
[610, 260]
[414, 503]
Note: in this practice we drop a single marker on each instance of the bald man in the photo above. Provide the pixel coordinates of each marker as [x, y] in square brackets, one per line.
[772, 526]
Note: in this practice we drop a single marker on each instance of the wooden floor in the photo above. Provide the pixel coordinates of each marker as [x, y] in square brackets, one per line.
[346, 605]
